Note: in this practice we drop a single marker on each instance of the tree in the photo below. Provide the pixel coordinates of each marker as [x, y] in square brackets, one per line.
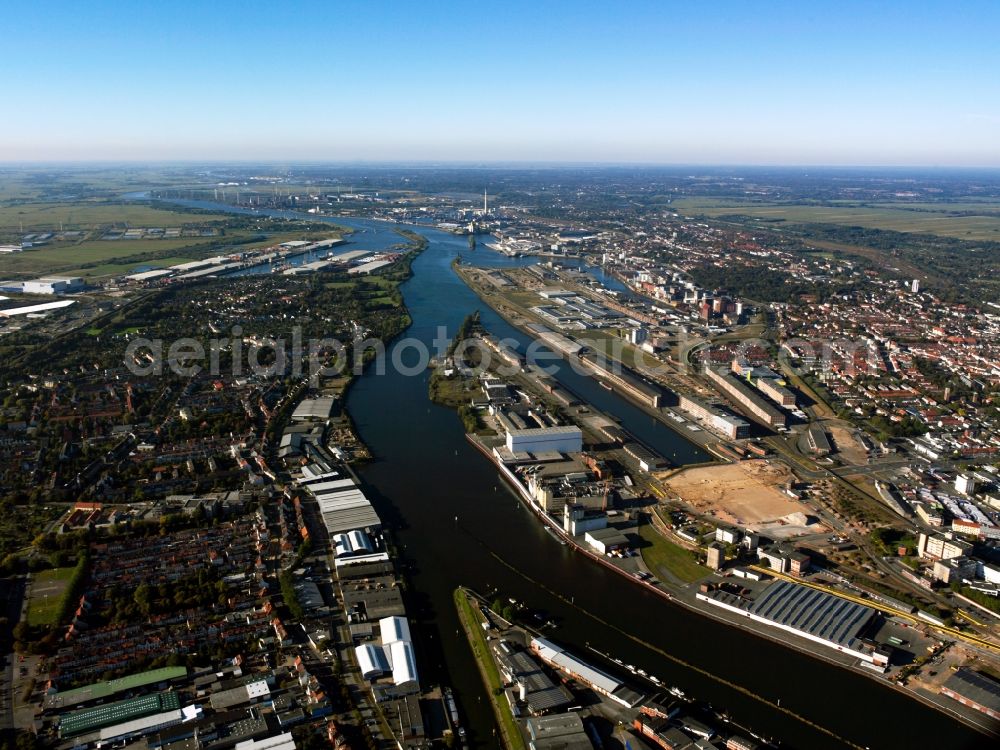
[143, 597]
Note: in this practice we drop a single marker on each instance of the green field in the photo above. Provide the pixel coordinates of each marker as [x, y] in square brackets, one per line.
[101, 258]
[47, 590]
[36, 217]
[660, 554]
[65, 257]
[939, 219]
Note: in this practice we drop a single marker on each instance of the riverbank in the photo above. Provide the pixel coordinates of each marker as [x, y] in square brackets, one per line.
[523, 325]
[511, 736]
[683, 596]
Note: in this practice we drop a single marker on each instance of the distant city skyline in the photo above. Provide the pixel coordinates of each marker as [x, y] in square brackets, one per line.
[900, 83]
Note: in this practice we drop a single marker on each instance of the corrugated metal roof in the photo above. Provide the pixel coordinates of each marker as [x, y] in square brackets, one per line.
[116, 713]
[975, 687]
[404, 665]
[371, 660]
[394, 629]
[145, 724]
[814, 612]
[566, 661]
[104, 689]
[277, 742]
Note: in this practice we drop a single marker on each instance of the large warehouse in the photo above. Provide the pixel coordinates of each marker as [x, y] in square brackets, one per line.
[347, 511]
[371, 661]
[600, 681]
[53, 285]
[806, 612]
[395, 655]
[565, 439]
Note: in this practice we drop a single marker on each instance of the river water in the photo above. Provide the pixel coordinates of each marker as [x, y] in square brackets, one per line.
[458, 524]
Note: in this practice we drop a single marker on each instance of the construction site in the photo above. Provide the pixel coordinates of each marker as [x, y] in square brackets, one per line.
[749, 493]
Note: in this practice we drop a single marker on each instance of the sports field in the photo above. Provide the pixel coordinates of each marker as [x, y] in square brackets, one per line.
[47, 589]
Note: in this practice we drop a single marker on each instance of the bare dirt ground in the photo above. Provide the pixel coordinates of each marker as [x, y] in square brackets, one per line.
[748, 493]
[849, 447]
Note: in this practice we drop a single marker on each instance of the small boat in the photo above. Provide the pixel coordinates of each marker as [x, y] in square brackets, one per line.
[677, 692]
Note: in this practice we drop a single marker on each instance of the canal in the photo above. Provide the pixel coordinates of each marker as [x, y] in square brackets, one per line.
[426, 476]
[456, 523]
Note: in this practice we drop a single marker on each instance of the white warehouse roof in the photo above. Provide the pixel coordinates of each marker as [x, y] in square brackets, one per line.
[371, 661]
[394, 629]
[404, 666]
[351, 542]
[277, 742]
[546, 431]
[314, 408]
[569, 663]
[330, 485]
[143, 725]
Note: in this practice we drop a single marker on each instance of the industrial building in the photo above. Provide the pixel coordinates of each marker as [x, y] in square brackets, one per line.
[354, 542]
[647, 460]
[606, 540]
[326, 486]
[371, 661]
[535, 689]
[559, 732]
[776, 392]
[144, 276]
[398, 647]
[314, 409]
[729, 425]
[370, 590]
[251, 692]
[109, 714]
[817, 441]
[625, 380]
[563, 439]
[53, 285]
[106, 689]
[806, 612]
[747, 397]
[577, 519]
[277, 742]
[138, 727]
[599, 681]
[974, 690]
[346, 511]
[395, 655]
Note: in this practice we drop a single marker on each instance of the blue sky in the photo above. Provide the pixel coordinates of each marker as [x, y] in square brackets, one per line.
[911, 83]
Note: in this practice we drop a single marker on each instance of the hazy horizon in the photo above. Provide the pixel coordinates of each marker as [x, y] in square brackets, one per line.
[903, 84]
